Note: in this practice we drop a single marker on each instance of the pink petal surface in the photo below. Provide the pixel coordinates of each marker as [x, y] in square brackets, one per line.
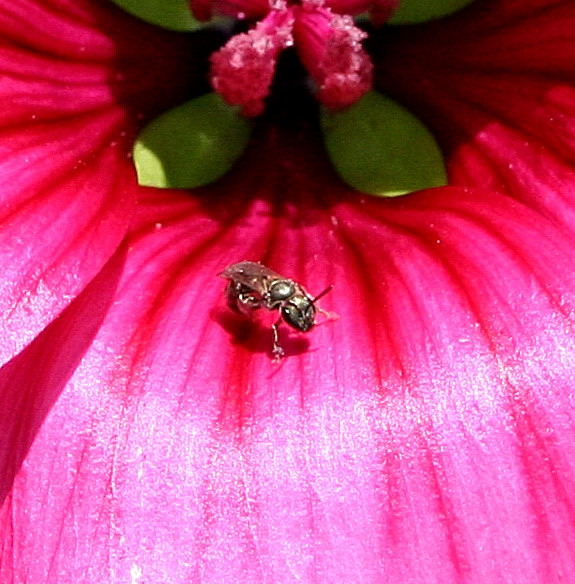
[61, 217]
[425, 436]
[31, 382]
[496, 85]
[68, 187]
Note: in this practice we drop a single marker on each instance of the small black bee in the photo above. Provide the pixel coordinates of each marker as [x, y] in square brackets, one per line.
[252, 285]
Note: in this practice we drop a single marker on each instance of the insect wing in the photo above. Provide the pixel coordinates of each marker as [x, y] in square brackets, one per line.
[251, 275]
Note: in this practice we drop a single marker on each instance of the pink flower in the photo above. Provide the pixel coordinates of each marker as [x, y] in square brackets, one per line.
[424, 437]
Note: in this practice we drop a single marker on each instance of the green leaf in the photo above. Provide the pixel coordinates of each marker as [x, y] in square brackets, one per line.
[378, 147]
[191, 145]
[170, 14]
[414, 11]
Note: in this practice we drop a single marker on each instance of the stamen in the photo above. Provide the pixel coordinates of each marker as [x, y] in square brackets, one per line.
[242, 70]
[330, 47]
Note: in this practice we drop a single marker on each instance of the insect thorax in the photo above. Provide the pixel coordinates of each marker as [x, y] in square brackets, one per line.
[281, 290]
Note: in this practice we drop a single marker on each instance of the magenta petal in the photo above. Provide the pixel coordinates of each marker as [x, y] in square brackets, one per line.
[66, 203]
[496, 86]
[32, 381]
[425, 436]
[68, 187]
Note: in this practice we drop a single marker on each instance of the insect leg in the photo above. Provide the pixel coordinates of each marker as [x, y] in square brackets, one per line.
[277, 351]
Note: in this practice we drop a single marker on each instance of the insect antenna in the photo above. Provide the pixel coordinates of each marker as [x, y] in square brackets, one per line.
[328, 315]
[322, 294]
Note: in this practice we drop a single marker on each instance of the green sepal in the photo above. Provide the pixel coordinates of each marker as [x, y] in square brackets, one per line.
[414, 11]
[170, 14]
[191, 145]
[379, 148]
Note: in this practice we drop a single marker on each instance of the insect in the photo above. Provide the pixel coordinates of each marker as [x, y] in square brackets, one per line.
[252, 285]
